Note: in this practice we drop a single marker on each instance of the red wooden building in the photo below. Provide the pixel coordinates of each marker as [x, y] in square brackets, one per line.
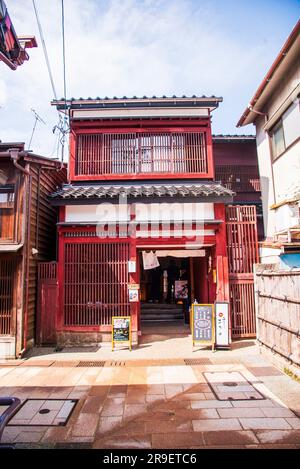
[142, 180]
[236, 167]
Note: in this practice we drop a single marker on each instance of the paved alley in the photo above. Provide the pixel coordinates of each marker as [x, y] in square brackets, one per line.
[231, 399]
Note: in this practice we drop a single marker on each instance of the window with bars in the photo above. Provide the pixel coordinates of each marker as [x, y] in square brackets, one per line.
[141, 153]
[95, 284]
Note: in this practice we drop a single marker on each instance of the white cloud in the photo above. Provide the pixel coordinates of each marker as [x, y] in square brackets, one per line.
[125, 47]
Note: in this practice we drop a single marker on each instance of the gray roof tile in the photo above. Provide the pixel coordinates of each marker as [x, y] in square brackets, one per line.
[147, 190]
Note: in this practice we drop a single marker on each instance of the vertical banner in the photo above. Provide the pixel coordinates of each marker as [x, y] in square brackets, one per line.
[222, 323]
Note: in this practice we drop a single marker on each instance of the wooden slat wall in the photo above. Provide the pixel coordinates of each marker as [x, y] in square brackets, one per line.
[139, 153]
[242, 248]
[42, 237]
[7, 279]
[278, 310]
[95, 284]
[238, 178]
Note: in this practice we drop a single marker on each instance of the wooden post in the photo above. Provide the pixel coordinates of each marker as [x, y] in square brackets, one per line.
[192, 279]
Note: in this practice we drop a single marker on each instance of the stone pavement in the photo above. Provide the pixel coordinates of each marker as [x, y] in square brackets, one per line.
[149, 402]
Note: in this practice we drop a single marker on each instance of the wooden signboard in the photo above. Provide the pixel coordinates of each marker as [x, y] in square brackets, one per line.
[203, 324]
[121, 330]
[222, 323]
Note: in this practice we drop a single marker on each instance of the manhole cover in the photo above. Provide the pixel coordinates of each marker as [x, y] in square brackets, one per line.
[48, 412]
[232, 386]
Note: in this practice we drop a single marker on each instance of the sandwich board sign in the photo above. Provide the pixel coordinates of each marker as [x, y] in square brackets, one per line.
[203, 325]
[222, 323]
[121, 330]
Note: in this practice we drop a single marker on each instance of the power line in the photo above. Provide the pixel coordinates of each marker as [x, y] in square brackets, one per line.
[63, 123]
[44, 49]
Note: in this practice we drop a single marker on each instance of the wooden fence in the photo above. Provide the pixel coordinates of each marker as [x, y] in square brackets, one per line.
[277, 297]
[242, 248]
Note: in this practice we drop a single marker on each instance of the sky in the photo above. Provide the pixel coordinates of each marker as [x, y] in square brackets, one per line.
[141, 47]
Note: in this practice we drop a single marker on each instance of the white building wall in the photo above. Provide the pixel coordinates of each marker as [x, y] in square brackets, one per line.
[144, 212]
[280, 179]
[265, 171]
[287, 172]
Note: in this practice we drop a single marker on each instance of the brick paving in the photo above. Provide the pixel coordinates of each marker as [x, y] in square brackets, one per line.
[155, 403]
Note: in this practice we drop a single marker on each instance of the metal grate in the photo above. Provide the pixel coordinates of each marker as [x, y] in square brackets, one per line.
[115, 363]
[197, 361]
[90, 364]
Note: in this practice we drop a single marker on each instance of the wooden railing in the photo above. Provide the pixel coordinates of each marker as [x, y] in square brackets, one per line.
[141, 153]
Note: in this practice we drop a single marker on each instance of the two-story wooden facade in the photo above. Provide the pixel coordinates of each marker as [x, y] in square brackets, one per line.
[27, 236]
[141, 179]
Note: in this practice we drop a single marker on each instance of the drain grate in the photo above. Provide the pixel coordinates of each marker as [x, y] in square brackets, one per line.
[64, 364]
[197, 361]
[116, 363]
[232, 386]
[44, 412]
[90, 364]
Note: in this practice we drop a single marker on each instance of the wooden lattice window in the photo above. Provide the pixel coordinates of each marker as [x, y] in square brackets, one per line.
[7, 280]
[140, 153]
[95, 285]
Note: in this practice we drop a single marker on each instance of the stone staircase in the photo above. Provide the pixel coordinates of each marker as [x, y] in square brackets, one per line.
[160, 312]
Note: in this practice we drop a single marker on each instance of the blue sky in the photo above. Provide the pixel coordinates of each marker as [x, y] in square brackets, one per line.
[143, 47]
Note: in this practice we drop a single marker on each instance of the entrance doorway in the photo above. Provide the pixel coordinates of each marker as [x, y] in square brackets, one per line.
[168, 290]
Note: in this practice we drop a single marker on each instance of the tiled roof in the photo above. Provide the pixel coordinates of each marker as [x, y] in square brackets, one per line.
[205, 189]
[233, 137]
[106, 98]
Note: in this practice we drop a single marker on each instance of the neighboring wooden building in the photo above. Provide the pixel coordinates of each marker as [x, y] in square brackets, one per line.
[27, 235]
[236, 167]
[142, 179]
[275, 112]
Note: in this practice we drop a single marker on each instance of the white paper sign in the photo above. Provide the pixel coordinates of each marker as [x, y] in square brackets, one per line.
[222, 323]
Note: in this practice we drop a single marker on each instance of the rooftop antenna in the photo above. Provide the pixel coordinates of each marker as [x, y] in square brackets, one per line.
[37, 118]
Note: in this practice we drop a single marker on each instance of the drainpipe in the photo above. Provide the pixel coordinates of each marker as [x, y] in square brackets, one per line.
[15, 154]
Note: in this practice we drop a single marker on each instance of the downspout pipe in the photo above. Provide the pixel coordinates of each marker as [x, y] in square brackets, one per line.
[15, 155]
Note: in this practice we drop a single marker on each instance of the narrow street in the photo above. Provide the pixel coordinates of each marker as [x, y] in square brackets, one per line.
[142, 399]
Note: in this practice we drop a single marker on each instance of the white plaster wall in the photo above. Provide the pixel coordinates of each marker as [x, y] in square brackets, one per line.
[96, 213]
[144, 212]
[286, 216]
[269, 255]
[265, 171]
[287, 172]
[288, 83]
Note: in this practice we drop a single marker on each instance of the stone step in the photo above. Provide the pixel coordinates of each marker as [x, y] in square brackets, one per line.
[145, 306]
[161, 311]
[152, 321]
[161, 317]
